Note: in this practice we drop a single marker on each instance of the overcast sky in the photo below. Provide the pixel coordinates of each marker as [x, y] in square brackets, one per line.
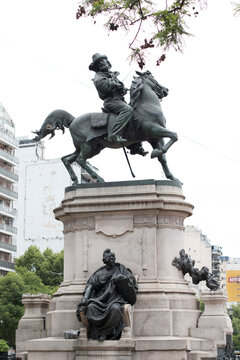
[45, 54]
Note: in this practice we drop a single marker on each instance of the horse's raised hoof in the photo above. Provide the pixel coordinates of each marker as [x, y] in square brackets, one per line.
[156, 153]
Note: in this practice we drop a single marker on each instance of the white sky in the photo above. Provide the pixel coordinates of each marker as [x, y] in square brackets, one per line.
[44, 61]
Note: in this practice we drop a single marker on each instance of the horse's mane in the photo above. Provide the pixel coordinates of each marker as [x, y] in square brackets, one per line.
[135, 91]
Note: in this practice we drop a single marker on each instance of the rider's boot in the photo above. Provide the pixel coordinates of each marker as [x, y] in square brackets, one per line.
[137, 149]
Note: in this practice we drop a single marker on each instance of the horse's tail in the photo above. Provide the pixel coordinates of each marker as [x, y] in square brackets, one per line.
[56, 120]
[65, 118]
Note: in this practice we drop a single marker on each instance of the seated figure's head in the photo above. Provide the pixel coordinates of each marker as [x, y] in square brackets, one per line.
[109, 257]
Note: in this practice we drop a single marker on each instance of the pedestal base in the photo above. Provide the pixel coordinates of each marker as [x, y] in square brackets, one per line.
[152, 348]
[143, 223]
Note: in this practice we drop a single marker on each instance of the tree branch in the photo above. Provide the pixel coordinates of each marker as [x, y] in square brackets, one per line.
[182, 3]
[136, 35]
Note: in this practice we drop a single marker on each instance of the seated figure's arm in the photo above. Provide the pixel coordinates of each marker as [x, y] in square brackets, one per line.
[118, 277]
[127, 275]
[86, 294]
[83, 302]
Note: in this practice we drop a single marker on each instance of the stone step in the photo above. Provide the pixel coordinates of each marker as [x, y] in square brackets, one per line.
[202, 345]
[202, 355]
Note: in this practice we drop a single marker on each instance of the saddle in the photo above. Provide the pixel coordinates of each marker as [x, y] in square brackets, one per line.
[101, 121]
[99, 124]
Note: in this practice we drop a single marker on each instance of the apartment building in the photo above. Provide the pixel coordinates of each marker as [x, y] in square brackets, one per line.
[230, 278]
[198, 247]
[8, 192]
[41, 186]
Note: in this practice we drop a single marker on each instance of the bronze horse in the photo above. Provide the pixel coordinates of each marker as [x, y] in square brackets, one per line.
[148, 124]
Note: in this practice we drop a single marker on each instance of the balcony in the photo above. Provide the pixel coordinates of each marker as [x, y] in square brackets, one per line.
[217, 251]
[8, 228]
[8, 140]
[6, 121]
[8, 210]
[10, 194]
[8, 157]
[6, 246]
[6, 264]
[8, 174]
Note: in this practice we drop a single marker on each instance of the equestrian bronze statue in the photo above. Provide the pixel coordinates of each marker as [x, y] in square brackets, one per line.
[119, 125]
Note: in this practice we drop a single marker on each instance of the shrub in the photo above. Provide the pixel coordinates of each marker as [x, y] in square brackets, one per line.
[3, 346]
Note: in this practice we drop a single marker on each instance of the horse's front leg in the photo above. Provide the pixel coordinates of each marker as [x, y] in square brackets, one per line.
[87, 152]
[160, 132]
[67, 161]
[158, 145]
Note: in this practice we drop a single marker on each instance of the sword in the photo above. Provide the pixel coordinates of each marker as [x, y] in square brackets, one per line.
[125, 153]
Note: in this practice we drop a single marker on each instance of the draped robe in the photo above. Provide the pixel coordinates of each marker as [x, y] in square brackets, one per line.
[104, 308]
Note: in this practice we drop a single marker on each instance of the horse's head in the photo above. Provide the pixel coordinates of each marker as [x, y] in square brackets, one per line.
[148, 78]
[52, 122]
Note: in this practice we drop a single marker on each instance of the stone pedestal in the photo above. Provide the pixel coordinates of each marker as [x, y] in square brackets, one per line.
[143, 223]
[214, 323]
[32, 324]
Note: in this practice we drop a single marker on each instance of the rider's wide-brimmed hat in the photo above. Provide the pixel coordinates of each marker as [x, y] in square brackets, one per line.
[95, 58]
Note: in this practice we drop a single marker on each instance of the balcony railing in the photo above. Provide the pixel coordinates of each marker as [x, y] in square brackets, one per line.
[6, 264]
[8, 228]
[8, 156]
[11, 140]
[6, 121]
[9, 174]
[217, 252]
[10, 247]
[8, 210]
[8, 192]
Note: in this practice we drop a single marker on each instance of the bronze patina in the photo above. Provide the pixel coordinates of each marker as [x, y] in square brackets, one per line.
[120, 124]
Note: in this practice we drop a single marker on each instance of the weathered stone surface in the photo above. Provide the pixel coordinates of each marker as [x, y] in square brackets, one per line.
[214, 323]
[32, 324]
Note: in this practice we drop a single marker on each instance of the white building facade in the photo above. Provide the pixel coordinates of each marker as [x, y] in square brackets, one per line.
[41, 189]
[199, 248]
[8, 192]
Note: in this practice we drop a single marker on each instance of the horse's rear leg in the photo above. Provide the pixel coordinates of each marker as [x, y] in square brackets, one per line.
[87, 151]
[158, 145]
[67, 161]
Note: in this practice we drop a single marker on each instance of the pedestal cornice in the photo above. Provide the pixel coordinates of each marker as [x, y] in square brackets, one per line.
[126, 196]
